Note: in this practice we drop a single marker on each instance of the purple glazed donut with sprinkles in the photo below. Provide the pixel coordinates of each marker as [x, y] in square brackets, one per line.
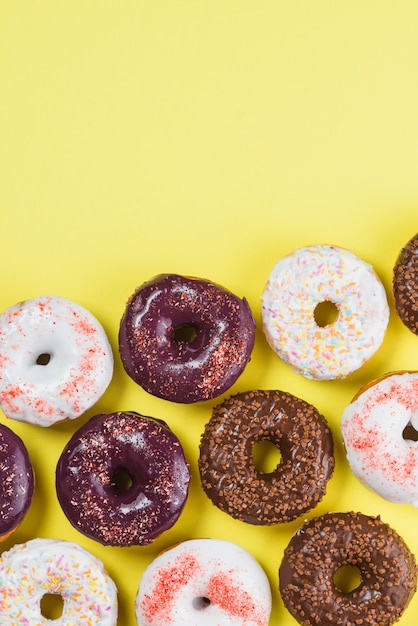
[123, 479]
[17, 481]
[185, 339]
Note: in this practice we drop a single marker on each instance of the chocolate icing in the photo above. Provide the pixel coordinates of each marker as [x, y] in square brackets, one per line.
[325, 544]
[229, 476]
[191, 370]
[405, 284]
[16, 481]
[148, 453]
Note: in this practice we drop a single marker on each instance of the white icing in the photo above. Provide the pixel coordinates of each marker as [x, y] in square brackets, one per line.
[205, 582]
[372, 428]
[48, 566]
[306, 278]
[80, 364]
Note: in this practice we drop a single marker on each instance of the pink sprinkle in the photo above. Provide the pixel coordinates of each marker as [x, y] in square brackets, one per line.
[223, 591]
[170, 580]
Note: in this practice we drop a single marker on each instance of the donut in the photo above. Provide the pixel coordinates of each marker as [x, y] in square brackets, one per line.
[313, 344]
[322, 548]
[204, 581]
[55, 362]
[33, 570]
[229, 475]
[375, 428]
[405, 284]
[16, 481]
[122, 479]
[185, 339]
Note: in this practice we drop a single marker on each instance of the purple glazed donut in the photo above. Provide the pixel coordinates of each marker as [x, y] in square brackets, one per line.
[123, 479]
[185, 339]
[16, 481]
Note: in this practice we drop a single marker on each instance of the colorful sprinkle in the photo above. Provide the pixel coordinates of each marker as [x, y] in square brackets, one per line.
[297, 285]
[41, 566]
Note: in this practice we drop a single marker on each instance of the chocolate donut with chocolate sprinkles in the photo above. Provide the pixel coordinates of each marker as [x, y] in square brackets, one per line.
[185, 339]
[123, 479]
[318, 553]
[405, 284]
[229, 474]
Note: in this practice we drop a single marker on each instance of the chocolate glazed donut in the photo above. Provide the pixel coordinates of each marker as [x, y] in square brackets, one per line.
[324, 545]
[228, 473]
[185, 339]
[405, 285]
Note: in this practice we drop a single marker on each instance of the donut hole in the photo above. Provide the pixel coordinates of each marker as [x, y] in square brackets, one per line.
[52, 606]
[121, 480]
[184, 333]
[410, 433]
[201, 603]
[266, 456]
[347, 578]
[43, 359]
[325, 313]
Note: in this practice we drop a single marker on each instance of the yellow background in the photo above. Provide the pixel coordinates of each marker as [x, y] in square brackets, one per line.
[207, 138]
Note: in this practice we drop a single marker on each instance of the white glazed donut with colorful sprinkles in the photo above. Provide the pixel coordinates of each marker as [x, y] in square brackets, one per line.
[379, 430]
[55, 360]
[39, 567]
[298, 286]
[205, 582]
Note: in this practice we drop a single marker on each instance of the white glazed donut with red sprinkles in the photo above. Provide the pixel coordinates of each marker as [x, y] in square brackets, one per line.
[205, 582]
[299, 284]
[55, 360]
[39, 567]
[380, 450]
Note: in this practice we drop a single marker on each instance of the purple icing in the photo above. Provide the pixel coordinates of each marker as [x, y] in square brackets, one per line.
[151, 461]
[16, 481]
[185, 339]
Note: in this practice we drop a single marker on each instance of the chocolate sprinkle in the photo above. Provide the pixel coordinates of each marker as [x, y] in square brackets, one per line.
[325, 544]
[228, 473]
[405, 285]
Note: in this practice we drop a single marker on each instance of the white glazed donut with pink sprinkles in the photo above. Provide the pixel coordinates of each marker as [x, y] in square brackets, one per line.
[30, 571]
[55, 360]
[298, 287]
[379, 430]
[205, 582]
